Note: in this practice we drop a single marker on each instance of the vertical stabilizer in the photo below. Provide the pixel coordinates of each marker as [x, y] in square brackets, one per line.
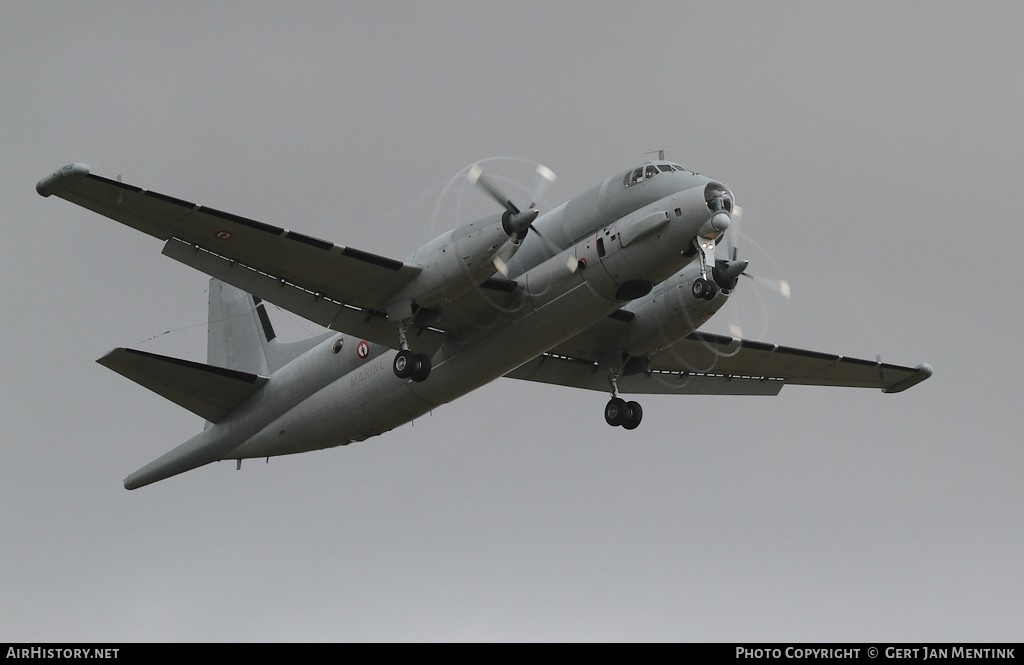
[239, 330]
[241, 336]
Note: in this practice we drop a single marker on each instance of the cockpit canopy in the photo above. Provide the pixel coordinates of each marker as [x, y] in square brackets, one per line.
[718, 197]
[648, 171]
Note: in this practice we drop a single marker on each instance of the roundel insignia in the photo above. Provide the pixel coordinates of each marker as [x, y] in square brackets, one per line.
[363, 349]
[223, 235]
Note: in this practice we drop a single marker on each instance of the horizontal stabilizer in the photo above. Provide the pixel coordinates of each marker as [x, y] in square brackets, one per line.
[208, 391]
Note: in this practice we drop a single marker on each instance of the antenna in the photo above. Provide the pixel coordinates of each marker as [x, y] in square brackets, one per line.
[661, 154]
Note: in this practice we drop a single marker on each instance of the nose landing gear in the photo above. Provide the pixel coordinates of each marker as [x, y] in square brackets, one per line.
[704, 288]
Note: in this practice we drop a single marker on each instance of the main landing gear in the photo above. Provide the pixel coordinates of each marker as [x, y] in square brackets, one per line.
[409, 365]
[618, 412]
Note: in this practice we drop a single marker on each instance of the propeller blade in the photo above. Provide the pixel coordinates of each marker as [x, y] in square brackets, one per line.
[779, 286]
[502, 257]
[500, 265]
[572, 263]
[476, 177]
[541, 181]
[737, 217]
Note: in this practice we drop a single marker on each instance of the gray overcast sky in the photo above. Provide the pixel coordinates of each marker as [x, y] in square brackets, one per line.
[875, 148]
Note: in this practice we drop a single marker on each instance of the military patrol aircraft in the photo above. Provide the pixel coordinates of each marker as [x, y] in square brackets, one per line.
[606, 292]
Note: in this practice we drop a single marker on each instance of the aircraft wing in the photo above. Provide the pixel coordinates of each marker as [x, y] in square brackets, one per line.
[716, 365]
[335, 286]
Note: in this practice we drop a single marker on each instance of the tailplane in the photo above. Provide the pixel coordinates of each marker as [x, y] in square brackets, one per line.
[205, 390]
[242, 355]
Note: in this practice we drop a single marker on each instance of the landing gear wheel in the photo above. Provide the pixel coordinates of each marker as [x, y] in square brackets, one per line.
[701, 289]
[704, 289]
[404, 364]
[635, 415]
[423, 366]
[615, 411]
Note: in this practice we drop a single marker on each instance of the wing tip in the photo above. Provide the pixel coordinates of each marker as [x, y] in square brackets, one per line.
[51, 183]
[921, 372]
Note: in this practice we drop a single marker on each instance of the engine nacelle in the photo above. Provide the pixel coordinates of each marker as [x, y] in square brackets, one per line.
[460, 260]
[669, 313]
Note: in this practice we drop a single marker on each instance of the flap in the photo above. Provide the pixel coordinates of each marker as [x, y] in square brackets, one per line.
[565, 371]
[702, 352]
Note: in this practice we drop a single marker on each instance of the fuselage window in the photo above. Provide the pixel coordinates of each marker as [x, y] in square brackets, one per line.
[638, 175]
[651, 171]
[600, 246]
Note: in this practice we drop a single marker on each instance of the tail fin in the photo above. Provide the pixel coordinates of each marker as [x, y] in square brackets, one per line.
[239, 330]
[241, 337]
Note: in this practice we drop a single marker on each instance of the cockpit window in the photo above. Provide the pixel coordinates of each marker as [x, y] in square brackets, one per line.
[648, 171]
[717, 197]
[645, 172]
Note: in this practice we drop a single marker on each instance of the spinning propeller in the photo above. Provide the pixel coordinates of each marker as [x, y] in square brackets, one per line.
[517, 223]
[730, 271]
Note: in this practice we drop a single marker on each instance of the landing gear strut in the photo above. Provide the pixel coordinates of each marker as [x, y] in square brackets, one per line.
[618, 412]
[409, 365]
[704, 288]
